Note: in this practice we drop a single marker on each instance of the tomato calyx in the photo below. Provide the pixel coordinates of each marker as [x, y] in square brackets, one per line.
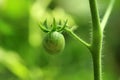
[55, 26]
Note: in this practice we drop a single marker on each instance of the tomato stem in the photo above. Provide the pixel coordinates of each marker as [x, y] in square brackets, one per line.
[77, 38]
[97, 37]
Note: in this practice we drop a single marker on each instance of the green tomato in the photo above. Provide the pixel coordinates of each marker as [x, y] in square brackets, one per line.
[54, 42]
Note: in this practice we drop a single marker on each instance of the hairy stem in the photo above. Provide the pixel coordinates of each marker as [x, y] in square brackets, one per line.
[97, 38]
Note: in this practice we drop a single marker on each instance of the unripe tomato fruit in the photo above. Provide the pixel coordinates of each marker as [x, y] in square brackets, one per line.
[54, 42]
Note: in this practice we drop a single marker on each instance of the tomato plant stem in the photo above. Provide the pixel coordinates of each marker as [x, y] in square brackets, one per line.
[77, 38]
[97, 38]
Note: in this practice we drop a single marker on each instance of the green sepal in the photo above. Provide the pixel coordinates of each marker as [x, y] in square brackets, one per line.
[62, 28]
[54, 25]
[43, 28]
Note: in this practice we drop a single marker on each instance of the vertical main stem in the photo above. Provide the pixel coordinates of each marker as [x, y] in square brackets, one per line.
[97, 65]
[97, 37]
[97, 68]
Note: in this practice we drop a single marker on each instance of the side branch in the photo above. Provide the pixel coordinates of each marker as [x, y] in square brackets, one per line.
[77, 38]
[107, 14]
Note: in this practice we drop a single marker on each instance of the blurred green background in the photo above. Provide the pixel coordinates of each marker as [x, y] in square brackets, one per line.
[22, 56]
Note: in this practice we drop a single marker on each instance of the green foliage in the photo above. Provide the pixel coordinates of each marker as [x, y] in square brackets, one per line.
[22, 56]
